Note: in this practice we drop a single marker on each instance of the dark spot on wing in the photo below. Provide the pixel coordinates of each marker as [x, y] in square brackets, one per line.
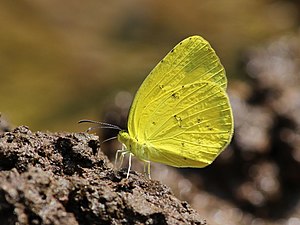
[179, 120]
[209, 128]
[175, 95]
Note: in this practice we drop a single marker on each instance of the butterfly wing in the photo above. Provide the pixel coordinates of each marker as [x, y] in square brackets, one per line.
[188, 126]
[192, 60]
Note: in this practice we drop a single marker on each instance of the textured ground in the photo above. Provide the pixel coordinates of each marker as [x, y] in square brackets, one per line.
[63, 178]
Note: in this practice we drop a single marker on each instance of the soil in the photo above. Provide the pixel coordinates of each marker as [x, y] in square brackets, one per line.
[64, 178]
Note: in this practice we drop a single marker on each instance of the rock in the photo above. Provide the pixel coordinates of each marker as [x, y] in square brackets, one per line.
[64, 178]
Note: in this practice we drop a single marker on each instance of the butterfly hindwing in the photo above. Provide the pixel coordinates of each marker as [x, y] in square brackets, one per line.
[189, 126]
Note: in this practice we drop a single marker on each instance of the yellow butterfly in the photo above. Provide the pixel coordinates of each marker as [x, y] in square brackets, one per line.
[181, 115]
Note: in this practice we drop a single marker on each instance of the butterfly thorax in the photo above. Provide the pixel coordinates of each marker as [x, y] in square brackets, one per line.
[138, 149]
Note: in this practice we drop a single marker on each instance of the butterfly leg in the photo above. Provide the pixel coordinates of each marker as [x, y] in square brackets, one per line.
[117, 156]
[120, 156]
[147, 171]
[129, 165]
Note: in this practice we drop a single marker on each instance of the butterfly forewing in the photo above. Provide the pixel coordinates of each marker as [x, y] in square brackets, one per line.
[192, 60]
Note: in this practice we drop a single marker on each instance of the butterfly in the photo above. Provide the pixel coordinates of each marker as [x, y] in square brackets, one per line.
[181, 115]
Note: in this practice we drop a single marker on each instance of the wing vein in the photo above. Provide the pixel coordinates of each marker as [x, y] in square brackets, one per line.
[203, 99]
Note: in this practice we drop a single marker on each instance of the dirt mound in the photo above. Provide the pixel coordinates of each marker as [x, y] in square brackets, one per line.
[63, 178]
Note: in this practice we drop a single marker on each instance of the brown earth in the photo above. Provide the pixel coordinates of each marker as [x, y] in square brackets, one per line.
[64, 178]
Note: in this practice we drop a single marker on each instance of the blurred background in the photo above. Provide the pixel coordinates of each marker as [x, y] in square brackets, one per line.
[65, 61]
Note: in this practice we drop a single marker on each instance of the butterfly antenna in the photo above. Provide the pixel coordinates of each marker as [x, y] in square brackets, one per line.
[99, 125]
[109, 139]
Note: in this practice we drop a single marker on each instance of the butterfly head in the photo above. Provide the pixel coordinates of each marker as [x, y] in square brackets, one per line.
[131, 144]
[123, 137]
